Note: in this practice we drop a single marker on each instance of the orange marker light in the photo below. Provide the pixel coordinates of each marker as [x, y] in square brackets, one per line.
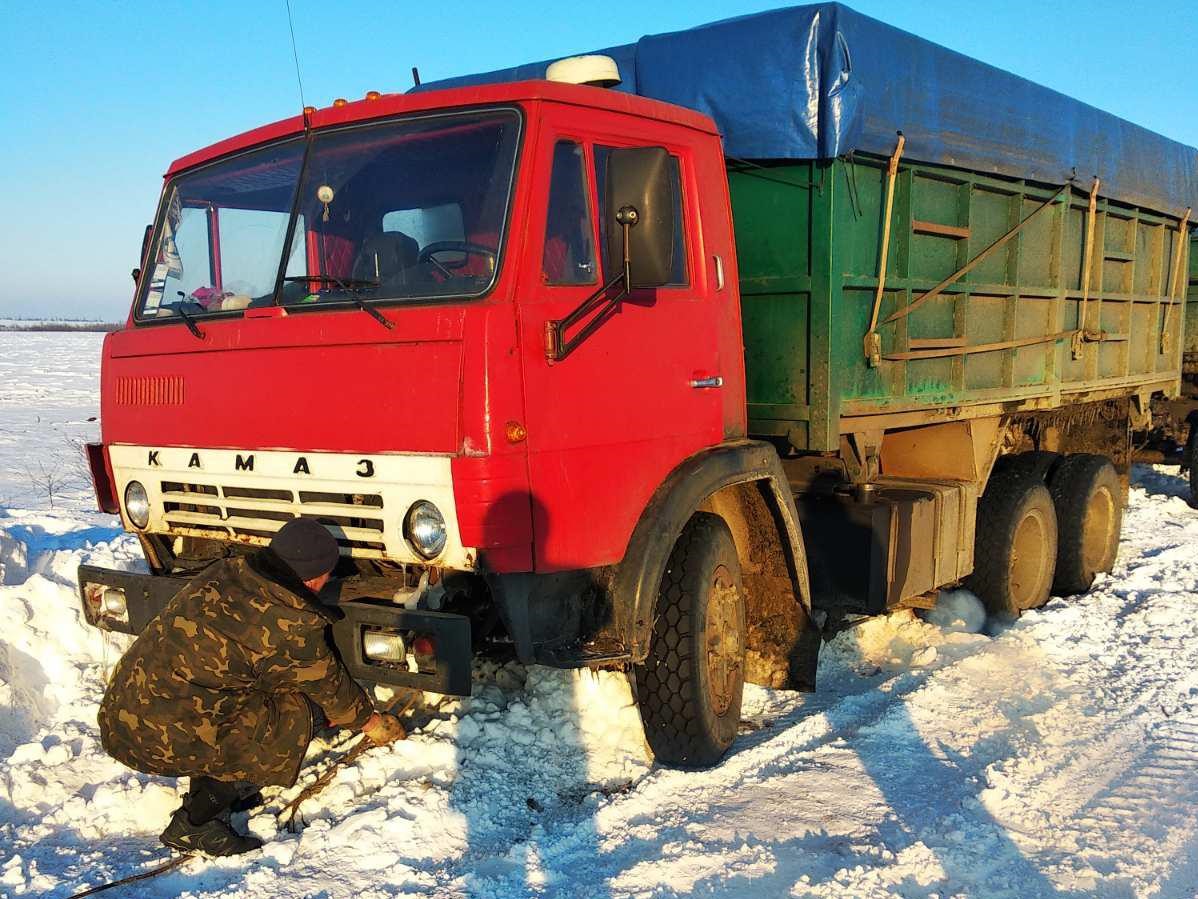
[372, 95]
[340, 101]
[515, 432]
[309, 110]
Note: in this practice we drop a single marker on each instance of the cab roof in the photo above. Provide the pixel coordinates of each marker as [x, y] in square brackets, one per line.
[387, 105]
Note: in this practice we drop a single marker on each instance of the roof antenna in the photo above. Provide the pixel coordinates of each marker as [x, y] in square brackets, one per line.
[295, 56]
[415, 76]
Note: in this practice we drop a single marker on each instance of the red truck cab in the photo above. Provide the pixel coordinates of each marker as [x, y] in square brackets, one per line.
[490, 337]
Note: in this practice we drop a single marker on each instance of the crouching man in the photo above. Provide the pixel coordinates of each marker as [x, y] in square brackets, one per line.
[226, 685]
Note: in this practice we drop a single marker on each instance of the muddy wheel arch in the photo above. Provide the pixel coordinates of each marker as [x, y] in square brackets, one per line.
[743, 483]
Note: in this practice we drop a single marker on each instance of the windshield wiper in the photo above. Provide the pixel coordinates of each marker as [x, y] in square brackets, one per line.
[187, 319]
[374, 313]
[352, 286]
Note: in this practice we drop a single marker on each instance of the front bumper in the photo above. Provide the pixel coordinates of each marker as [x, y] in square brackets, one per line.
[448, 671]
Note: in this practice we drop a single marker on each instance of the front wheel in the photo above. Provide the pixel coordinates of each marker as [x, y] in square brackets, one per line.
[689, 688]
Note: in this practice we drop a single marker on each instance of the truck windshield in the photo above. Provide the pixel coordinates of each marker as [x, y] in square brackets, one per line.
[409, 209]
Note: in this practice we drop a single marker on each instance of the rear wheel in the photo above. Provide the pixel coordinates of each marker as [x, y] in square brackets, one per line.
[1088, 498]
[690, 686]
[1015, 544]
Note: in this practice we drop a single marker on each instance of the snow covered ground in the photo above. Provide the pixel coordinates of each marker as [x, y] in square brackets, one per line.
[49, 407]
[1055, 757]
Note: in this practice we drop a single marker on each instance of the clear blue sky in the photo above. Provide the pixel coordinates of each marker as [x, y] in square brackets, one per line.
[97, 98]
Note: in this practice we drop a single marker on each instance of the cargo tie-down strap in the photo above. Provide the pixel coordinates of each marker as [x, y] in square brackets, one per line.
[940, 347]
[1176, 279]
[1087, 264]
[936, 352]
[976, 260]
[873, 341]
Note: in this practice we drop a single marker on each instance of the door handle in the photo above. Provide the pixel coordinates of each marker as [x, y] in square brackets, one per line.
[707, 383]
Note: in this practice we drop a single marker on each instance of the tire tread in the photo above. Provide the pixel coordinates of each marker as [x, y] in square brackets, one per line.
[667, 692]
[1070, 485]
[997, 513]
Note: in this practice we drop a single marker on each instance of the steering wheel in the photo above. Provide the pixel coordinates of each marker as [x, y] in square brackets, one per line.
[428, 254]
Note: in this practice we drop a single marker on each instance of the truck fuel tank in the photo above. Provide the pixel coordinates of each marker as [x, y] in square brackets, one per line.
[876, 546]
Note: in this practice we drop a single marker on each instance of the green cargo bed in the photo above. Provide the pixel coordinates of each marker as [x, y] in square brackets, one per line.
[808, 239]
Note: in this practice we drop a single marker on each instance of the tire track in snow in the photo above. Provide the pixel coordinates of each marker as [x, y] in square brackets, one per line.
[1044, 757]
[1133, 659]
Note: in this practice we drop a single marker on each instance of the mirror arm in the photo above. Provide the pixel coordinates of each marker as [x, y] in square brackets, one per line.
[557, 345]
[627, 217]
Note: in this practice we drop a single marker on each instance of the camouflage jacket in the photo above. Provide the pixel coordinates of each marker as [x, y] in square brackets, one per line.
[216, 683]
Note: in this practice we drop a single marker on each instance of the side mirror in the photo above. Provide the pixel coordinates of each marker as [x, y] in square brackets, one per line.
[640, 204]
[640, 243]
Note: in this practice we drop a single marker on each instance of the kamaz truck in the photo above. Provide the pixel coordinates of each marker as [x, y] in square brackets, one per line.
[671, 358]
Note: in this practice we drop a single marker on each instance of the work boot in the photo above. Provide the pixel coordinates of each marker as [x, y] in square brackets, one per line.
[251, 800]
[214, 837]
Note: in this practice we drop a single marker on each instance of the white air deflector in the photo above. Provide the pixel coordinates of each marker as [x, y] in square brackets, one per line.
[597, 71]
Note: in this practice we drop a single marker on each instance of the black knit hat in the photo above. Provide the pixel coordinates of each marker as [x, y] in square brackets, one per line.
[306, 547]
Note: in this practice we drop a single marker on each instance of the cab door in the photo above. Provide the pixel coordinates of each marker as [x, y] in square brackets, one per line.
[608, 423]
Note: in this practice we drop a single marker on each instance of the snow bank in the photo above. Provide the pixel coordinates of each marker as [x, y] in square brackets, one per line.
[904, 640]
[46, 647]
[958, 610]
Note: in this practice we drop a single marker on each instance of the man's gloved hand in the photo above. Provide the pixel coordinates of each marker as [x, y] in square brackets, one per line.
[381, 728]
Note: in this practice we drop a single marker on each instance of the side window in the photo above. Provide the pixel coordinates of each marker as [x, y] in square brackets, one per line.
[184, 264]
[249, 254]
[678, 278]
[569, 255]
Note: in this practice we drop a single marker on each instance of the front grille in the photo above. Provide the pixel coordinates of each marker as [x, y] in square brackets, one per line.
[253, 515]
[159, 390]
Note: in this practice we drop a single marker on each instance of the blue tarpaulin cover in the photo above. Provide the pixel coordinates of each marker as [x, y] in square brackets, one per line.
[816, 82]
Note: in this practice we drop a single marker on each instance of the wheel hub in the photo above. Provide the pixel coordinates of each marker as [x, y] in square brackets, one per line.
[723, 641]
[1097, 529]
[1029, 558]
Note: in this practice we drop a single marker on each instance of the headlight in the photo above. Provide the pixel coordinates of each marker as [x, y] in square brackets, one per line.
[105, 606]
[425, 529]
[379, 646]
[113, 605]
[137, 504]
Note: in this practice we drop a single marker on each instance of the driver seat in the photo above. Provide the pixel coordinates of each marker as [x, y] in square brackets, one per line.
[383, 257]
